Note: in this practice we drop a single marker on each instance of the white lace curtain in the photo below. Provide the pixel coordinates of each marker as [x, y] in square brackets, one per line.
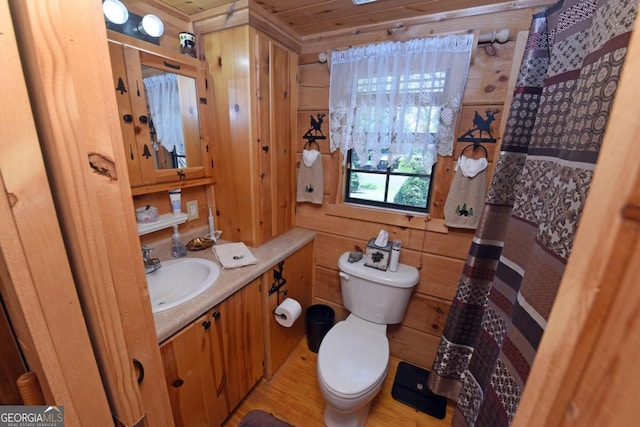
[398, 98]
[164, 105]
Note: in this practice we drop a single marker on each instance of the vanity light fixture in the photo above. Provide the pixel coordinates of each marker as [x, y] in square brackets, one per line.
[117, 18]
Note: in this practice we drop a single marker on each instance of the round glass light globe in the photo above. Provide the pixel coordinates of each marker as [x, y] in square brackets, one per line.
[152, 25]
[115, 11]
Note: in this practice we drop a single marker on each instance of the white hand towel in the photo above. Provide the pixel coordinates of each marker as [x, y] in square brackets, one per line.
[467, 194]
[233, 255]
[310, 178]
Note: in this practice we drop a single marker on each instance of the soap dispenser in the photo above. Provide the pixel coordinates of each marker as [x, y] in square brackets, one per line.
[177, 247]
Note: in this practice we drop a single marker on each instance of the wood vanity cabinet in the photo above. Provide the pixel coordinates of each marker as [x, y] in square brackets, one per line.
[213, 363]
[255, 87]
[150, 165]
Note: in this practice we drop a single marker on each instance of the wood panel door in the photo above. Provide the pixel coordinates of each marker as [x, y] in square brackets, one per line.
[140, 169]
[194, 370]
[243, 341]
[181, 357]
[71, 97]
[37, 286]
[297, 270]
[227, 53]
[211, 337]
[276, 88]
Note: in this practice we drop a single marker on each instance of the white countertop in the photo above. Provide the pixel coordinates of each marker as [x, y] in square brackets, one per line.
[271, 253]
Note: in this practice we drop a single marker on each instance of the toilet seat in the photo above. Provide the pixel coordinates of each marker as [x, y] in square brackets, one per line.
[352, 359]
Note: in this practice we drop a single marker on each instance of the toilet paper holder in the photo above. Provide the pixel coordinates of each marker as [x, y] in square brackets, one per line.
[280, 315]
[278, 282]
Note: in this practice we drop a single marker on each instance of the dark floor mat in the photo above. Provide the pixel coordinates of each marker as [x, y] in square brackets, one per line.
[258, 418]
[410, 388]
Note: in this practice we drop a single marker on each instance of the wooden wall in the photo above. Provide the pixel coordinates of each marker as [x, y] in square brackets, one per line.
[438, 252]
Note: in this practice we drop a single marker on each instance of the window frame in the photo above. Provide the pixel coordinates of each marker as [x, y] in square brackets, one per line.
[388, 173]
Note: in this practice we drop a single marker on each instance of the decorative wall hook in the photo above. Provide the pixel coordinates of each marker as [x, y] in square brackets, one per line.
[481, 126]
[315, 131]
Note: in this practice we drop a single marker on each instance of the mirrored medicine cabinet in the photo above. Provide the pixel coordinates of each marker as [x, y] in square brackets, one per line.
[163, 107]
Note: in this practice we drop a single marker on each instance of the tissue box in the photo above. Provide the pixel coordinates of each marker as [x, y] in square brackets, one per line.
[377, 256]
[147, 214]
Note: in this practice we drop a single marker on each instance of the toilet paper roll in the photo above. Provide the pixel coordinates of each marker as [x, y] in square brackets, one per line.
[288, 312]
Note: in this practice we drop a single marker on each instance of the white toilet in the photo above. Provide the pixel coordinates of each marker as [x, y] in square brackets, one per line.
[354, 355]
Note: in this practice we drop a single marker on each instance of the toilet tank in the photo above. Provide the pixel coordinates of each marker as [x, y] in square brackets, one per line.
[375, 295]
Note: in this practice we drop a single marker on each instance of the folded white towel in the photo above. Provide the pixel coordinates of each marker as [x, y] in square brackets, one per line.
[233, 255]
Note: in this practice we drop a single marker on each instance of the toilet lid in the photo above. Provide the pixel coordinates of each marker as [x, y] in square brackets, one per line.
[352, 358]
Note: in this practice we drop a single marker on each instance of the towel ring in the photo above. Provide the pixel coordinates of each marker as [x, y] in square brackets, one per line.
[309, 142]
[475, 147]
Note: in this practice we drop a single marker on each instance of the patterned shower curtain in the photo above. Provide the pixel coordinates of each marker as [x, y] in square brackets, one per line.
[559, 112]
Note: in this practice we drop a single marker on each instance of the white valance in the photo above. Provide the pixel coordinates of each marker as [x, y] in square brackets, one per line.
[398, 97]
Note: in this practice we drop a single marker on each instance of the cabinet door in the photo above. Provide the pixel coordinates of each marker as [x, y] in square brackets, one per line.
[236, 145]
[276, 69]
[297, 270]
[243, 341]
[181, 358]
[140, 168]
[193, 363]
[283, 121]
[211, 339]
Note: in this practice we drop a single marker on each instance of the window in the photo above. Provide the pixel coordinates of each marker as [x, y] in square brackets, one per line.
[400, 184]
[392, 110]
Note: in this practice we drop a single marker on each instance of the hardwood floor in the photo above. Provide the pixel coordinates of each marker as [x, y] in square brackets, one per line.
[293, 396]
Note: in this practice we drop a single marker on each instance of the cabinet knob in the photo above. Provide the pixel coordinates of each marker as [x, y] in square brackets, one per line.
[143, 119]
[215, 315]
[178, 383]
[265, 148]
[128, 118]
[206, 324]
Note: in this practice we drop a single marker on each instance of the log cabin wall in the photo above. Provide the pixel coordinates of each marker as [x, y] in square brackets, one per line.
[437, 252]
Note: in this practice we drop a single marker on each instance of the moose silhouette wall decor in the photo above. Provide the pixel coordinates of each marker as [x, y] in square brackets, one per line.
[481, 132]
[315, 131]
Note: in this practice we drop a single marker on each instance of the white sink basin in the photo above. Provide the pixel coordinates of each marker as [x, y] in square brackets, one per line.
[179, 281]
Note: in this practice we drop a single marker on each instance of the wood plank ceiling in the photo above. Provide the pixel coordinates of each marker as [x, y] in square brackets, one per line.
[310, 17]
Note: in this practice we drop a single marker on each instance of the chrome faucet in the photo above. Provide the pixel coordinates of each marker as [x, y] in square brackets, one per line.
[150, 264]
